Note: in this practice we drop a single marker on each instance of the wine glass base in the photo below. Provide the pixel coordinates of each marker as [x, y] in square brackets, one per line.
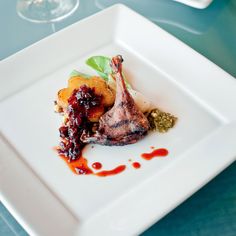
[46, 11]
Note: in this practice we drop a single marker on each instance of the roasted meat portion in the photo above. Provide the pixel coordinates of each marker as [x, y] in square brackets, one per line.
[124, 123]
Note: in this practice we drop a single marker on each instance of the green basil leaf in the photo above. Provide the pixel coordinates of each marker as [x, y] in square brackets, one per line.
[101, 64]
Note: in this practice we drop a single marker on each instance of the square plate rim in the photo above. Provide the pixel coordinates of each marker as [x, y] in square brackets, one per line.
[144, 227]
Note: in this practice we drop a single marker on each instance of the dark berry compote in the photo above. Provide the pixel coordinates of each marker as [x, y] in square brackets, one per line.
[81, 105]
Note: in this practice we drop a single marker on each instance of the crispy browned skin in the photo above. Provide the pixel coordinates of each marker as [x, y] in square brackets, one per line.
[124, 123]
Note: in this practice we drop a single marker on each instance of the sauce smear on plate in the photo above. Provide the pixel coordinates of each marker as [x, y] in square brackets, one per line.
[114, 171]
[161, 152]
[97, 165]
[136, 165]
[80, 167]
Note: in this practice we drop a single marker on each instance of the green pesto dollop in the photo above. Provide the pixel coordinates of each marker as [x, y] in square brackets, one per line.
[161, 121]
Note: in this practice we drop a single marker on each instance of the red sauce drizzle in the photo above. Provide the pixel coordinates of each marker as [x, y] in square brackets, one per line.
[136, 165]
[114, 171]
[79, 166]
[97, 165]
[161, 152]
[83, 105]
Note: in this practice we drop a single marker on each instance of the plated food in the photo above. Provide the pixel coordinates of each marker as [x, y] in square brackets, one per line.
[104, 110]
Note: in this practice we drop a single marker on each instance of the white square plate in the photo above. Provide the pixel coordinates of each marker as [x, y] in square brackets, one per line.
[36, 185]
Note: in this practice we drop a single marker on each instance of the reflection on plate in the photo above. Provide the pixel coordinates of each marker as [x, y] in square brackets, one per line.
[196, 3]
[172, 14]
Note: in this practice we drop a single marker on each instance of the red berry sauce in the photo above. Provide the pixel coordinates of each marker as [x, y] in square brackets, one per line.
[82, 103]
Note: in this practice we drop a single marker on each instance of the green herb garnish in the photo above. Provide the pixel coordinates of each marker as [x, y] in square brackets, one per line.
[161, 121]
[101, 65]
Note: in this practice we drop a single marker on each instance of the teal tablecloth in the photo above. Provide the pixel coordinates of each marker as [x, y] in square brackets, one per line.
[212, 32]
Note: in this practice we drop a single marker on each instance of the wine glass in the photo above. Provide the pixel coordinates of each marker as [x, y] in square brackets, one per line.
[46, 11]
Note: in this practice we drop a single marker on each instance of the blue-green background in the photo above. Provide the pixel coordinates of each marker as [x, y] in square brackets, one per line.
[212, 32]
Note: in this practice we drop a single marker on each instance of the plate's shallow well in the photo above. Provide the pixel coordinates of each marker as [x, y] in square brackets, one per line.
[36, 185]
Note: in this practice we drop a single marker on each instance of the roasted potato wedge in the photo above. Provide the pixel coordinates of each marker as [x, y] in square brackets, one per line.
[63, 96]
[95, 82]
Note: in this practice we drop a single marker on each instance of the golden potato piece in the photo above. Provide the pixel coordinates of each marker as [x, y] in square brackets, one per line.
[101, 88]
[96, 82]
[63, 96]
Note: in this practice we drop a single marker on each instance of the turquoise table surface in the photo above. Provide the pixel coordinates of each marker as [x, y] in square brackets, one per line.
[211, 32]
